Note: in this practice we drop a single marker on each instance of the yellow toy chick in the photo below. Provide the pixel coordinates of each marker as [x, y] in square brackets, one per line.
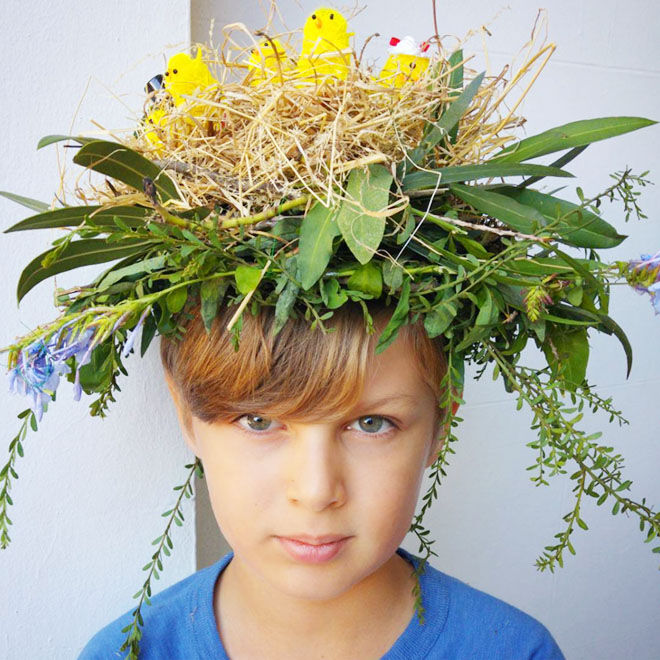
[185, 74]
[325, 51]
[406, 62]
[268, 62]
[154, 123]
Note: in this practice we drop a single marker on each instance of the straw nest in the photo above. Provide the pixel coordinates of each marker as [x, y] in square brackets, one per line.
[238, 148]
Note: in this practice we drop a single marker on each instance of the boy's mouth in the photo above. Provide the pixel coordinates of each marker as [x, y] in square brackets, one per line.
[313, 549]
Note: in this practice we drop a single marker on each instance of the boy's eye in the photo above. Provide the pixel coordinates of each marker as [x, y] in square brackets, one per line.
[257, 422]
[373, 424]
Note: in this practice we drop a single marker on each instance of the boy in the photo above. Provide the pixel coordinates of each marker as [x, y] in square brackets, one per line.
[314, 450]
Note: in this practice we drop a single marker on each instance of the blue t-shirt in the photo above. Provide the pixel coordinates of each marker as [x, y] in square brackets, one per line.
[460, 623]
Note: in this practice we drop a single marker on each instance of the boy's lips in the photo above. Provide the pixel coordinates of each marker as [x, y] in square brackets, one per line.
[315, 540]
[313, 549]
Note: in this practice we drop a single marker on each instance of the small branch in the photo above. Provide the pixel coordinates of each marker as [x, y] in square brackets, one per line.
[491, 230]
[194, 170]
[263, 215]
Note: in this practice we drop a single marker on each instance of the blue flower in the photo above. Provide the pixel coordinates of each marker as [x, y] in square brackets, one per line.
[39, 366]
[644, 276]
[131, 334]
[654, 290]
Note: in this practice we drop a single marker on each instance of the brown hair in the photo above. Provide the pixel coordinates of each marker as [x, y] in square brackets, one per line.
[299, 373]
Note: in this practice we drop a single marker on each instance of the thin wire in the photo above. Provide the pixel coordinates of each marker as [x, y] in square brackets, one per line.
[428, 210]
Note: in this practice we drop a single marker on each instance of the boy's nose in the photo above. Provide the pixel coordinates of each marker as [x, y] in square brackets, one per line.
[315, 476]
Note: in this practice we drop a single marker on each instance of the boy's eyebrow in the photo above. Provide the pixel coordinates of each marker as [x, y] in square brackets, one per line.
[387, 399]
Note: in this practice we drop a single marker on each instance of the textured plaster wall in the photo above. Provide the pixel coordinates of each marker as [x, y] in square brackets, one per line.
[491, 523]
[91, 491]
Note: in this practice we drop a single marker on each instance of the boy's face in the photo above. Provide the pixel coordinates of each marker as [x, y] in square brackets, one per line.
[356, 475]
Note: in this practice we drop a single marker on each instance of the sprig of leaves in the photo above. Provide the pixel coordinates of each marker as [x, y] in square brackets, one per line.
[165, 545]
[8, 472]
[559, 440]
[451, 387]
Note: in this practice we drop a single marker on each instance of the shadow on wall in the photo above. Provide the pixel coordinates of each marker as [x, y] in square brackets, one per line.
[211, 544]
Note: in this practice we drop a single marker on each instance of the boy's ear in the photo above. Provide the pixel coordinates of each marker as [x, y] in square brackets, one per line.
[182, 412]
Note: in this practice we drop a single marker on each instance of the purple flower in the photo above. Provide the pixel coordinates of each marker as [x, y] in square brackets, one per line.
[39, 366]
[654, 290]
[131, 334]
[644, 276]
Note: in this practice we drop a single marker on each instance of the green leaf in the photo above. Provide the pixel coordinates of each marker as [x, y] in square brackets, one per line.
[455, 83]
[568, 136]
[284, 305]
[33, 204]
[452, 114]
[247, 278]
[318, 229]
[488, 312]
[97, 373]
[124, 164]
[211, 293]
[567, 353]
[84, 252]
[332, 293]
[560, 162]
[392, 275]
[176, 299]
[422, 180]
[138, 268]
[512, 213]
[368, 279]
[456, 64]
[361, 218]
[399, 318]
[73, 216]
[439, 318]
[148, 333]
[51, 139]
[578, 226]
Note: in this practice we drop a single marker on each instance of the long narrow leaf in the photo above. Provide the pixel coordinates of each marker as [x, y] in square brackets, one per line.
[125, 165]
[560, 162]
[421, 180]
[605, 324]
[84, 252]
[568, 136]
[517, 216]
[52, 139]
[451, 116]
[33, 204]
[73, 216]
[578, 227]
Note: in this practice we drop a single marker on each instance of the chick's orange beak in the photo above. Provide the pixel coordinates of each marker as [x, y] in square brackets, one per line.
[319, 23]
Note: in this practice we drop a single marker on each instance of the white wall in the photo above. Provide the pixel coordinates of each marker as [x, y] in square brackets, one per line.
[91, 491]
[491, 523]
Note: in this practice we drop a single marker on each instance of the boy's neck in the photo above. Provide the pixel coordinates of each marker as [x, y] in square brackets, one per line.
[256, 621]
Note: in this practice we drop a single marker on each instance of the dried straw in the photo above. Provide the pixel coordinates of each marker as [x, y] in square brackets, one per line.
[240, 148]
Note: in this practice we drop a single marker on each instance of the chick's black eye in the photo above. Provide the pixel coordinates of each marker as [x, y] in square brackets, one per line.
[313, 17]
[332, 16]
[175, 71]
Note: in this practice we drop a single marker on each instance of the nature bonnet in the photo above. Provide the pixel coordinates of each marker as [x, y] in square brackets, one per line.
[269, 174]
